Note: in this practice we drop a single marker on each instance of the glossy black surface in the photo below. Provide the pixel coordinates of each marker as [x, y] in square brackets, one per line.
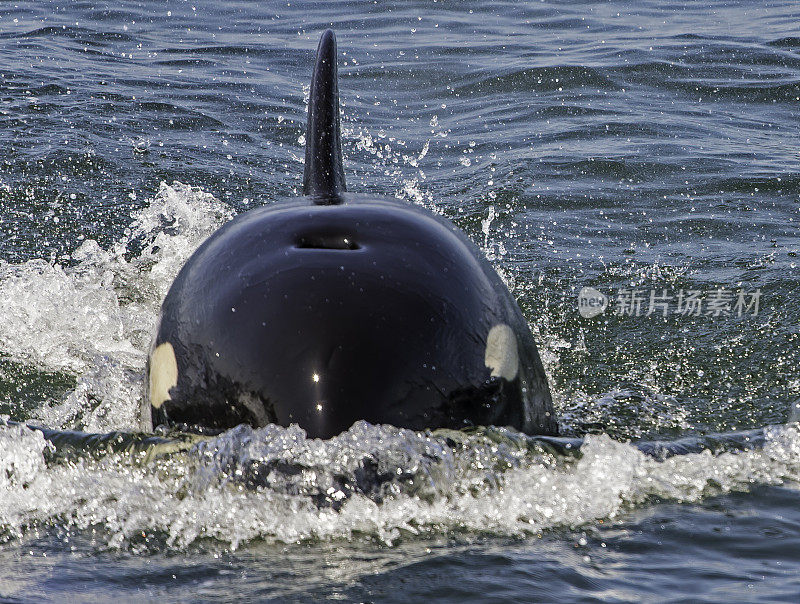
[324, 174]
[322, 315]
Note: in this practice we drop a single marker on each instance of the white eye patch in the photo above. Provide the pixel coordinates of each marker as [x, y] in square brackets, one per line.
[163, 374]
[502, 356]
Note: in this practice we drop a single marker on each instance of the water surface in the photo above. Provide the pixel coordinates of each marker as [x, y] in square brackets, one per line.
[623, 146]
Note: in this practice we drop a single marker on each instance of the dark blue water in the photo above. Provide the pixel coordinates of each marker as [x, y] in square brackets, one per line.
[642, 148]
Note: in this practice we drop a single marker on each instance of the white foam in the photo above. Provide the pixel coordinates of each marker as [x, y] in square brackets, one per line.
[95, 317]
[410, 483]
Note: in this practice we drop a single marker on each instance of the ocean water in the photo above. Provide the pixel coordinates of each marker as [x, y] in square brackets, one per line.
[647, 150]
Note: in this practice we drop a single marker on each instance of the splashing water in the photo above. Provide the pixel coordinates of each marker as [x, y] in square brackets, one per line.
[93, 317]
[275, 484]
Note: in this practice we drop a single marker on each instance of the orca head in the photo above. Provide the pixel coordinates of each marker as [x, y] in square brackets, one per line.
[337, 307]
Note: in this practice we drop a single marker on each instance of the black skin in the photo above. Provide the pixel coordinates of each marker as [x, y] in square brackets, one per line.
[333, 308]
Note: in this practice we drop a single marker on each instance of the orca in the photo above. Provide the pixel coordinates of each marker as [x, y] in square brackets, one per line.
[336, 307]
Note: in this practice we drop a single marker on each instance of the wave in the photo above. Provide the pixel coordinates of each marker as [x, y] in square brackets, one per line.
[379, 482]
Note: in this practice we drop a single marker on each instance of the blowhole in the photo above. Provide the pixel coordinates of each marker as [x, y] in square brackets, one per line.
[326, 242]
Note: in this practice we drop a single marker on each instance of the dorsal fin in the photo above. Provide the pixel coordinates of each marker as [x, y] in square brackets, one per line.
[324, 174]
